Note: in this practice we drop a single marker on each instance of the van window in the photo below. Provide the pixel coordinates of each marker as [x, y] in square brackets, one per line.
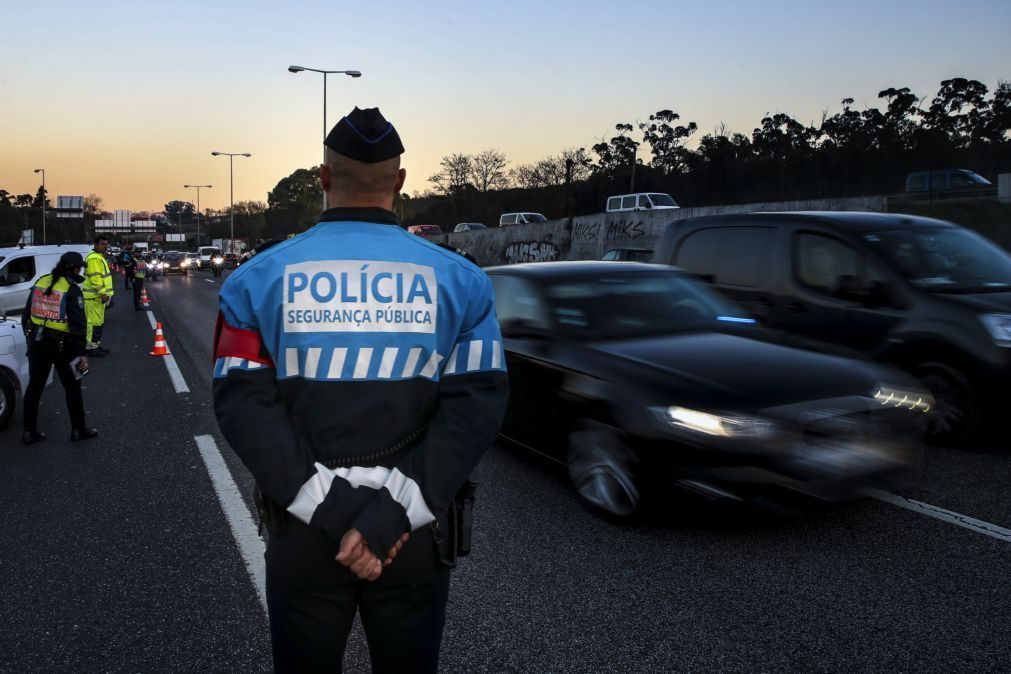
[509, 219]
[613, 203]
[18, 270]
[661, 199]
[628, 202]
[831, 266]
[918, 182]
[644, 201]
[730, 255]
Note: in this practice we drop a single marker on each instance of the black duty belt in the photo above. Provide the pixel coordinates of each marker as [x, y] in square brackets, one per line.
[375, 456]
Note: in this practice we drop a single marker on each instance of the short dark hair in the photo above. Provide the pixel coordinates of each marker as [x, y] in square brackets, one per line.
[100, 238]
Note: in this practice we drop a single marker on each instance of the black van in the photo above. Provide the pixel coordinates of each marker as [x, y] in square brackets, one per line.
[927, 295]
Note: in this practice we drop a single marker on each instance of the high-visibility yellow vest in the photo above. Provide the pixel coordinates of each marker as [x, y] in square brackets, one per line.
[140, 271]
[97, 276]
[50, 311]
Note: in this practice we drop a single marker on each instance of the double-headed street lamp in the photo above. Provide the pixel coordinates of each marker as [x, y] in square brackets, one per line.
[43, 172]
[349, 73]
[231, 191]
[198, 208]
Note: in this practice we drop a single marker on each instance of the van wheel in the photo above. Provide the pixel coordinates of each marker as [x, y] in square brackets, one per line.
[8, 399]
[955, 417]
[601, 467]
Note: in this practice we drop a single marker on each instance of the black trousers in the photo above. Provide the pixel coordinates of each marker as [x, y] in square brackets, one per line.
[312, 600]
[42, 357]
[138, 287]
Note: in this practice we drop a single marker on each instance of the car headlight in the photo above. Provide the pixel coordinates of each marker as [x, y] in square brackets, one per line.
[708, 423]
[185, 263]
[889, 396]
[999, 326]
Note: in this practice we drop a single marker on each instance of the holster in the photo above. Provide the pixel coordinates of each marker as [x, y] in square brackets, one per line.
[273, 517]
[452, 527]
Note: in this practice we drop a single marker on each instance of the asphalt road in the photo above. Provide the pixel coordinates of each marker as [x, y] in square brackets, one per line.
[117, 556]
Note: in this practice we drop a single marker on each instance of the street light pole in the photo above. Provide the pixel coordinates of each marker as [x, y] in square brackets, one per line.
[198, 208]
[43, 172]
[349, 73]
[231, 192]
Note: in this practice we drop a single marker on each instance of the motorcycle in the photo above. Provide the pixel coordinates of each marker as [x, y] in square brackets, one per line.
[217, 265]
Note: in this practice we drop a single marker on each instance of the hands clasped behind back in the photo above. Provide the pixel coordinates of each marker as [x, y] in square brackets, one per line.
[360, 560]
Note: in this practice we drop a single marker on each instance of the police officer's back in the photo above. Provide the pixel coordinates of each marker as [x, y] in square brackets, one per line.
[359, 374]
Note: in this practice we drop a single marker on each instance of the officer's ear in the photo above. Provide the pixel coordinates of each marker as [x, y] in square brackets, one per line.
[401, 177]
[324, 177]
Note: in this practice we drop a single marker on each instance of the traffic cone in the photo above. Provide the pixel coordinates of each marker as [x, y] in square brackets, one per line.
[160, 348]
[143, 298]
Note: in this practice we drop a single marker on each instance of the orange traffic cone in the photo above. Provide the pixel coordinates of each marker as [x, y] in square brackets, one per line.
[143, 298]
[160, 348]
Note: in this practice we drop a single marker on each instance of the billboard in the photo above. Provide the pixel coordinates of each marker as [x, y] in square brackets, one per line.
[69, 207]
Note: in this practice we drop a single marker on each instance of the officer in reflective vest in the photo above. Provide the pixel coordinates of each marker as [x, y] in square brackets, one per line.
[139, 273]
[55, 327]
[97, 289]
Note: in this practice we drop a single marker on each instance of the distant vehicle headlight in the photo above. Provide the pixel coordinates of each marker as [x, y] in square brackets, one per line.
[708, 423]
[218, 260]
[920, 401]
[999, 326]
[185, 263]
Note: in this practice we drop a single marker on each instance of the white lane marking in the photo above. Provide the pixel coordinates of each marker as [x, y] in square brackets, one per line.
[177, 377]
[178, 382]
[244, 529]
[209, 280]
[951, 517]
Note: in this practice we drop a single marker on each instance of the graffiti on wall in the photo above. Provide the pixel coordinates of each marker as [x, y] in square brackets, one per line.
[585, 231]
[624, 230]
[530, 251]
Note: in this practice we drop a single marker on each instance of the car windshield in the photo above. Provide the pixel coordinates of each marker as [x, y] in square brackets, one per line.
[662, 200]
[945, 259]
[173, 256]
[535, 217]
[637, 304]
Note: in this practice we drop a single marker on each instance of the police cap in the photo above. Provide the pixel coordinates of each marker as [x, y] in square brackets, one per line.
[71, 260]
[365, 136]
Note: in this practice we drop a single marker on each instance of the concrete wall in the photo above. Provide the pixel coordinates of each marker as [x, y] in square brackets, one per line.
[588, 237]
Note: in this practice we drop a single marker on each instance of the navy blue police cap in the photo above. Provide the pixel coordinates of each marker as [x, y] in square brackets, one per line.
[72, 259]
[365, 136]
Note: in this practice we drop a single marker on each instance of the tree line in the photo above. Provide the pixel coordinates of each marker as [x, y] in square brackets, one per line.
[851, 152]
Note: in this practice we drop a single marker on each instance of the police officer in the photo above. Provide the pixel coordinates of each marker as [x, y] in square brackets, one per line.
[128, 262]
[359, 375]
[98, 292]
[55, 328]
[139, 273]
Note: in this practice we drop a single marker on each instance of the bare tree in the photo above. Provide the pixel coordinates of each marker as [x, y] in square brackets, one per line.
[455, 173]
[488, 171]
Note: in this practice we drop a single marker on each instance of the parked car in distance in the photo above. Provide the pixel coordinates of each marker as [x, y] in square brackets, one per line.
[22, 266]
[641, 201]
[13, 367]
[468, 227]
[643, 380]
[628, 255]
[425, 231]
[520, 219]
[945, 179]
[926, 295]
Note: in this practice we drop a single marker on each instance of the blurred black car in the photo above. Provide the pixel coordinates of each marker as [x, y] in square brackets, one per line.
[642, 380]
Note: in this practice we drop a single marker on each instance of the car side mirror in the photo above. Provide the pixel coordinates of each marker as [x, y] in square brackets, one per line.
[523, 328]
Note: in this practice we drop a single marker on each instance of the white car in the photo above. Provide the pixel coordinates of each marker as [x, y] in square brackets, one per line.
[13, 367]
